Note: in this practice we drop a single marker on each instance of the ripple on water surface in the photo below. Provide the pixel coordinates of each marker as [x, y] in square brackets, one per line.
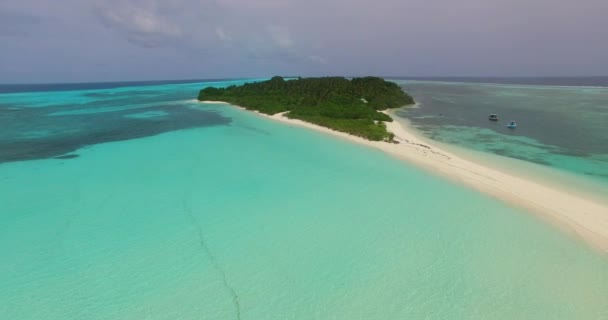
[257, 220]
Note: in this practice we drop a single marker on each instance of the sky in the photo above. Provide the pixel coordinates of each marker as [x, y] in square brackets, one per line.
[119, 40]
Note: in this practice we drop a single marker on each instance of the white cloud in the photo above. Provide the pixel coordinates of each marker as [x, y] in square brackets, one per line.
[201, 26]
[317, 59]
[142, 21]
[256, 4]
[281, 37]
[222, 35]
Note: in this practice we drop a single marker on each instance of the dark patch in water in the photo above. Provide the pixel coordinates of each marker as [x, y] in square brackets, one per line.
[68, 156]
[601, 175]
[538, 161]
[6, 108]
[253, 129]
[501, 152]
[14, 88]
[508, 153]
[119, 94]
[572, 153]
[67, 133]
[485, 137]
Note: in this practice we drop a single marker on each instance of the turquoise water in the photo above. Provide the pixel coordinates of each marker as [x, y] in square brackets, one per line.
[563, 128]
[221, 214]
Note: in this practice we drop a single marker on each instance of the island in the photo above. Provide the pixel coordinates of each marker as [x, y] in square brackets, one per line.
[348, 105]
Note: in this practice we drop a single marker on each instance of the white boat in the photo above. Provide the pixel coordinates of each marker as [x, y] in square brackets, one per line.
[512, 125]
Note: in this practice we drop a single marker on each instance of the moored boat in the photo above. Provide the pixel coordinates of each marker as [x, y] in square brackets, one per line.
[493, 117]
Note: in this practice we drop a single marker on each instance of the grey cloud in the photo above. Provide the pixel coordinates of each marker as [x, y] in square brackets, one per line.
[207, 26]
[141, 22]
[152, 39]
[16, 24]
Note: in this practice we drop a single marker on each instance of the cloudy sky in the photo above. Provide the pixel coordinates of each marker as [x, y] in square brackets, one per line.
[81, 40]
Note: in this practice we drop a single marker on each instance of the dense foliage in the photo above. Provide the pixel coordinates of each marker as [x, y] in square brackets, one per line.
[349, 106]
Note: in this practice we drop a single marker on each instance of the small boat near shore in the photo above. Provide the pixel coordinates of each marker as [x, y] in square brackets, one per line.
[512, 125]
[493, 117]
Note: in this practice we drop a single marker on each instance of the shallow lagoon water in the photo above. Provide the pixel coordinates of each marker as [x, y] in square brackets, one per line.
[559, 127]
[560, 139]
[251, 219]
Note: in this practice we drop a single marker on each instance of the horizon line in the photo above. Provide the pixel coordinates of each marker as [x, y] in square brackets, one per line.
[296, 76]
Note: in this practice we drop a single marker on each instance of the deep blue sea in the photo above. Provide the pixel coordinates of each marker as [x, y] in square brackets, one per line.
[134, 201]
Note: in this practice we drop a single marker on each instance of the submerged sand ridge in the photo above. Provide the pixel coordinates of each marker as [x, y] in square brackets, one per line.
[575, 214]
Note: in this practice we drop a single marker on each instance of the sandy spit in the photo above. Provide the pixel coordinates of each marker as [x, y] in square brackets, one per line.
[572, 213]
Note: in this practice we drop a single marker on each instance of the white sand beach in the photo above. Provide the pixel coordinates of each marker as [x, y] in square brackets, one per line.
[573, 213]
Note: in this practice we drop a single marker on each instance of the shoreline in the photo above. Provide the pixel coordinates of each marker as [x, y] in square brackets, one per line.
[573, 214]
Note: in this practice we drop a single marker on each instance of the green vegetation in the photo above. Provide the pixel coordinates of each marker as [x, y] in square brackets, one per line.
[349, 106]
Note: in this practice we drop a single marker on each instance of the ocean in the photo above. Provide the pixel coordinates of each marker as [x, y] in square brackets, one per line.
[561, 129]
[134, 201]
